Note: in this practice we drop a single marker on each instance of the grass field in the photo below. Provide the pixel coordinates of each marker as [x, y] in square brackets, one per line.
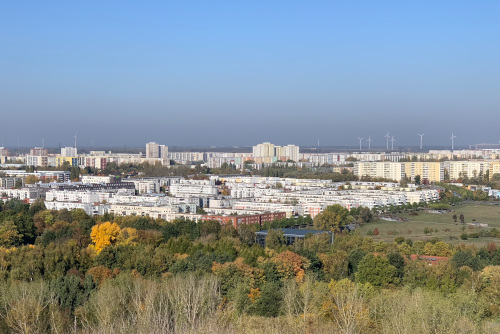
[448, 231]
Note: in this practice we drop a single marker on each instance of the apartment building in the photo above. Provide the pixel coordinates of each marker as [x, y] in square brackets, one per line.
[428, 171]
[381, 169]
[494, 168]
[69, 152]
[462, 169]
[155, 150]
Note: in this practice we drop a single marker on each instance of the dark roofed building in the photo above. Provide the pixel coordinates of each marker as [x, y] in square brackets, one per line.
[291, 235]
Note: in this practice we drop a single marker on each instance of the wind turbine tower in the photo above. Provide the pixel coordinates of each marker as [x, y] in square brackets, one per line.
[387, 136]
[360, 140]
[392, 142]
[421, 135]
[452, 141]
[369, 140]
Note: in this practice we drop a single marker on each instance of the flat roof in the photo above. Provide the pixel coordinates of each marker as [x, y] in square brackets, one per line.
[294, 232]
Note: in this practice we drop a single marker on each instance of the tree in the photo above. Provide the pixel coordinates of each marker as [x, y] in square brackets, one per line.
[417, 179]
[269, 302]
[275, 238]
[396, 260]
[375, 270]
[455, 218]
[9, 236]
[31, 179]
[210, 227]
[104, 235]
[353, 260]
[365, 215]
[334, 218]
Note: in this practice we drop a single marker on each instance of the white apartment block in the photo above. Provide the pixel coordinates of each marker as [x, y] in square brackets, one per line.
[168, 212]
[28, 193]
[78, 196]
[37, 161]
[194, 187]
[94, 179]
[146, 186]
[89, 208]
[186, 157]
[69, 152]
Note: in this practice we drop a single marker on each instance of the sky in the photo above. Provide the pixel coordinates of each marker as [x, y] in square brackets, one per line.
[198, 73]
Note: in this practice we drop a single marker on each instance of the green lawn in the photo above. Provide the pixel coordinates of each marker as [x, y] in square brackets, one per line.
[447, 230]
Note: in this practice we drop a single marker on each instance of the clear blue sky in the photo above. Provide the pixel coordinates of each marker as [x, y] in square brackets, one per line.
[243, 72]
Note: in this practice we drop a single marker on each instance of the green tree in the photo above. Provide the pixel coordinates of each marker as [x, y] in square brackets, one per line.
[375, 270]
[334, 218]
[275, 239]
[9, 236]
[396, 260]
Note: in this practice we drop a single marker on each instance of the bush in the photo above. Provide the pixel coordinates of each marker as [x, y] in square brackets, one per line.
[399, 240]
[464, 236]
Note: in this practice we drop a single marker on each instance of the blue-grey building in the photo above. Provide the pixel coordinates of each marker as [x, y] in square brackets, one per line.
[291, 235]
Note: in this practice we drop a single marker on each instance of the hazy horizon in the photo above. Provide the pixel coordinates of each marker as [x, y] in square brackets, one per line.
[241, 73]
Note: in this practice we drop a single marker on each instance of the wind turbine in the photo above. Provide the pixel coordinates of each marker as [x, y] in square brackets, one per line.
[75, 136]
[360, 139]
[452, 141]
[392, 142]
[421, 135]
[387, 136]
[369, 140]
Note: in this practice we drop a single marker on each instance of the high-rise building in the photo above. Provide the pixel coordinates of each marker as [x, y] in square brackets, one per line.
[39, 151]
[267, 152]
[155, 150]
[428, 171]
[152, 150]
[69, 152]
[264, 150]
[291, 152]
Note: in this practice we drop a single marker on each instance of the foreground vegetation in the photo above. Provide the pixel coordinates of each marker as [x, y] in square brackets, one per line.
[63, 272]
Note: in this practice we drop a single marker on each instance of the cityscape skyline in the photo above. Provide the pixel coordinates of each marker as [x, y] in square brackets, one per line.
[363, 143]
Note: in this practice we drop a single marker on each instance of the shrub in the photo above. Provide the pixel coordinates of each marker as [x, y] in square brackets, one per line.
[399, 240]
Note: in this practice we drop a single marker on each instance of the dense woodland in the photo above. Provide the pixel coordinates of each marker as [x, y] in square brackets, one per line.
[63, 271]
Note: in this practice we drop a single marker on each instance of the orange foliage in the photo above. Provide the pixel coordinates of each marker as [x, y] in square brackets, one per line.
[254, 294]
[255, 274]
[100, 274]
[291, 264]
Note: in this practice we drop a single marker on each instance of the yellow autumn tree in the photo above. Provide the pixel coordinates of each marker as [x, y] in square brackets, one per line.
[104, 235]
[127, 236]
